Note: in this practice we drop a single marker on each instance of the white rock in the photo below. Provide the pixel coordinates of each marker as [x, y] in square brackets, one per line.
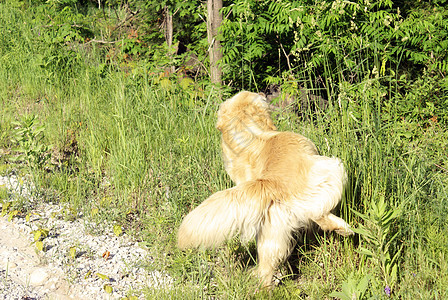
[38, 277]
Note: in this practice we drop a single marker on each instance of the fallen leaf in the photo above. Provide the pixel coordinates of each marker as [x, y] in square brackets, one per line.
[106, 255]
[73, 252]
[108, 288]
[40, 246]
[102, 276]
[117, 230]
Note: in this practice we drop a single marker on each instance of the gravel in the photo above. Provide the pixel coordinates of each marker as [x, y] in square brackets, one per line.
[81, 259]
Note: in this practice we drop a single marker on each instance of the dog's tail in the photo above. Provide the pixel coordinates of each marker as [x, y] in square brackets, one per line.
[238, 210]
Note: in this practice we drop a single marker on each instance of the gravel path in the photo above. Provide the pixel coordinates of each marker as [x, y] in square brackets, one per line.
[81, 260]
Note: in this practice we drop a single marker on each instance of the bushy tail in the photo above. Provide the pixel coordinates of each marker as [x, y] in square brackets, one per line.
[238, 210]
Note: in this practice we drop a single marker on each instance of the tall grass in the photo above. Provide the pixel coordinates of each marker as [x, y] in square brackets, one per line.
[131, 150]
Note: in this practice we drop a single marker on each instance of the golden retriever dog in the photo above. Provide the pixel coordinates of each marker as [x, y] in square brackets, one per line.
[282, 185]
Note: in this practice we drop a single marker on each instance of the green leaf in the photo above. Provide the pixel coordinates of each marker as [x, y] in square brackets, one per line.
[363, 216]
[102, 276]
[108, 288]
[117, 230]
[88, 274]
[340, 295]
[40, 234]
[396, 255]
[5, 208]
[37, 235]
[12, 214]
[186, 82]
[44, 232]
[363, 284]
[165, 83]
[73, 252]
[364, 232]
[395, 213]
[365, 252]
[40, 245]
[393, 273]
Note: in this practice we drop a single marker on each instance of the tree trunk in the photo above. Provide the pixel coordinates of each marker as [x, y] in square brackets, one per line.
[214, 20]
[168, 33]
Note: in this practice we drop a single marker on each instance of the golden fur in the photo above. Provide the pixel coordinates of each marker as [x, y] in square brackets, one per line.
[282, 185]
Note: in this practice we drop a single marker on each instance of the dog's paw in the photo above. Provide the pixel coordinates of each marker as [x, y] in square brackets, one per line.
[344, 231]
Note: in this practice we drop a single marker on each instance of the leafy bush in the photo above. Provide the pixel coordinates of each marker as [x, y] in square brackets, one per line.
[319, 47]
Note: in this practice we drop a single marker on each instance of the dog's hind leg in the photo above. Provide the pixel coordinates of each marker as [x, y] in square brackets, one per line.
[274, 243]
[331, 222]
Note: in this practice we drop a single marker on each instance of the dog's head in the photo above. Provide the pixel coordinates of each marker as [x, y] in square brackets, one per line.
[245, 109]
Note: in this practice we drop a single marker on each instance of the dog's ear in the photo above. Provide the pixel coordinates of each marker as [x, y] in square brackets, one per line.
[260, 113]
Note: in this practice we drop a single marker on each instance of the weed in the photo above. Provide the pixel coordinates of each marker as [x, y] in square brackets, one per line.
[31, 148]
[380, 240]
[353, 288]
[4, 194]
[39, 235]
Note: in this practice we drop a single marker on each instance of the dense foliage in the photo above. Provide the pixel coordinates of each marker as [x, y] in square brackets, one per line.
[292, 45]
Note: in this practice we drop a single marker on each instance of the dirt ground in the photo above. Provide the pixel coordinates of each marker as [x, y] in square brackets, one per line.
[24, 272]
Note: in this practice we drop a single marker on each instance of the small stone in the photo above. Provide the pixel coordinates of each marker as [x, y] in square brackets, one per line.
[38, 277]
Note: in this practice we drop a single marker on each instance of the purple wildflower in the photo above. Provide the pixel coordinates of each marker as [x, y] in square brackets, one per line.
[387, 290]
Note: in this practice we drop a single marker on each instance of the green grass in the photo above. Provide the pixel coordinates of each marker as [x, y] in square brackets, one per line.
[130, 149]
